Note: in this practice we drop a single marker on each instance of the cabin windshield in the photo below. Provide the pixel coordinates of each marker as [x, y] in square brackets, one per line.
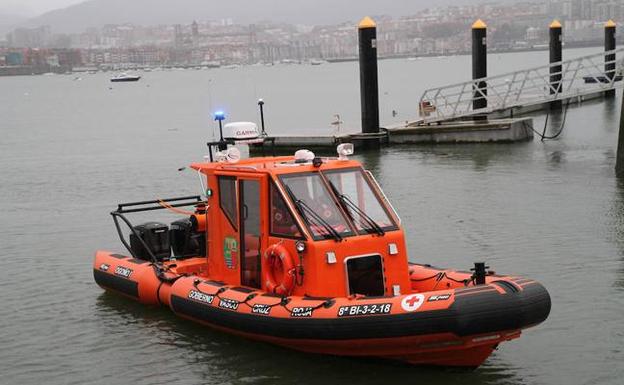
[315, 204]
[360, 202]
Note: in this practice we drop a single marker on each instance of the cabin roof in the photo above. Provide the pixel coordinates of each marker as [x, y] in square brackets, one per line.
[273, 165]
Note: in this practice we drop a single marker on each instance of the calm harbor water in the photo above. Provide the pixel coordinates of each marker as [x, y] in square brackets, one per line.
[70, 150]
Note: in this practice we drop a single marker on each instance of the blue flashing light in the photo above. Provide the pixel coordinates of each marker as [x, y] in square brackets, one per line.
[219, 115]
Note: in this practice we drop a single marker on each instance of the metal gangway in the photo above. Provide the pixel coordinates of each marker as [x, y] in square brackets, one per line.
[531, 87]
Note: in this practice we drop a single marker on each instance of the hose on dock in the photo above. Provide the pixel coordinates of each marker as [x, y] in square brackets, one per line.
[543, 135]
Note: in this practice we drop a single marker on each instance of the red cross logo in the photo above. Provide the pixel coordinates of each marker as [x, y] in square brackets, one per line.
[412, 302]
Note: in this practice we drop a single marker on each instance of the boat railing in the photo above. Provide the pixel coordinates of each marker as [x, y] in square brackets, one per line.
[142, 206]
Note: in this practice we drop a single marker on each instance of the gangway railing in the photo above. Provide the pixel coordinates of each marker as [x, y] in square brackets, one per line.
[581, 76]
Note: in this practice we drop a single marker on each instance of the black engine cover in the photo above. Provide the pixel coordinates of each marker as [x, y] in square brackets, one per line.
[156, 236]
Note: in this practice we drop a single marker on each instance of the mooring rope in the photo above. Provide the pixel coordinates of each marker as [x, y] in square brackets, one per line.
[542, 134]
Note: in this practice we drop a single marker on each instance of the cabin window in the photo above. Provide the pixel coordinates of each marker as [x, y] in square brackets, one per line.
[315, 204]
[360, 202]
[282, 221]
[365, 275]
[227, 198]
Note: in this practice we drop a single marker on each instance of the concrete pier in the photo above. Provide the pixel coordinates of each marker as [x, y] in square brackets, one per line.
[498, 130]
[467, 131]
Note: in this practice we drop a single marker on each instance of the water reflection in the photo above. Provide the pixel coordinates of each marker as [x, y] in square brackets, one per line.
[556, 158]
[220, 358]
[481, 155]
[617, 222]
[609, 157]
[610, 115]
[371, 160]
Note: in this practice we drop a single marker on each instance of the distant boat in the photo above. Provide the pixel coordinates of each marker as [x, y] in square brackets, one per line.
[125, 78]
[317, 62]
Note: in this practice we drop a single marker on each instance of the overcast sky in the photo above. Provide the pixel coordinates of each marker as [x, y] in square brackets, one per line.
[33, 7]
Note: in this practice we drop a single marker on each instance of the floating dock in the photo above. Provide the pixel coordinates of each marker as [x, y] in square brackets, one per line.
[468, 131]
[483, 109]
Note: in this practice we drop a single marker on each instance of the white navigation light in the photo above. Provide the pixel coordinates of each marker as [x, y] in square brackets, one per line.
[232, 155]
[344, 150]
[240, 131]
[303, 156]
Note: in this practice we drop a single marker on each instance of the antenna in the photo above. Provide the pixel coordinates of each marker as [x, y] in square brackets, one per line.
[261, 104]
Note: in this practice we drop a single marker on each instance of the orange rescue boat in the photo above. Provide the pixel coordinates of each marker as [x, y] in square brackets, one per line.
[307, 253]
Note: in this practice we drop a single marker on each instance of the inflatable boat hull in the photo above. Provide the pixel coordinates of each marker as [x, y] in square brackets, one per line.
[451, 327]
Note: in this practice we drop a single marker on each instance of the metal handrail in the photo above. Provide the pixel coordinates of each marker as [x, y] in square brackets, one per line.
[523, 88]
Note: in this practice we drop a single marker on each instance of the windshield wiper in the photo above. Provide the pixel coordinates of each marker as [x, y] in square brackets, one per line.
[365, 219]
[320, 221]
[312, 217]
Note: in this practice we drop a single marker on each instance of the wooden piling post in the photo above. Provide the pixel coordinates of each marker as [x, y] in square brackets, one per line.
[556, 56]
[369, 87]
[479, 64]
[609, 45]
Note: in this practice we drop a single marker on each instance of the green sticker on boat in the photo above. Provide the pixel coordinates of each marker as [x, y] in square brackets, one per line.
[230, 249]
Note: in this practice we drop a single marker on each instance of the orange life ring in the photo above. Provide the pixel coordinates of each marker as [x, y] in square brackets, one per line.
[279, 270]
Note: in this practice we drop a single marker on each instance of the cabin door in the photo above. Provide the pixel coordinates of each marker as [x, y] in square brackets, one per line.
[250, 234]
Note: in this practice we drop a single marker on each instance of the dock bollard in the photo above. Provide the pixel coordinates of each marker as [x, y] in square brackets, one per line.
[479, 64]
[609, 45]
[556, 56]
[369, 87]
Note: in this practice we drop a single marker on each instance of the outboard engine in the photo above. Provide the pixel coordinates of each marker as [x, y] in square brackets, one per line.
[156, 237]
[186, 241]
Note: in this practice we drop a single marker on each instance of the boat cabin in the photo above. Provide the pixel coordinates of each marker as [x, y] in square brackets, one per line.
[302, 225]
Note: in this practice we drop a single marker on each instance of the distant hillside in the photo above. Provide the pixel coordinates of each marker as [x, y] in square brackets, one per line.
[95, 13]
[7, 22]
